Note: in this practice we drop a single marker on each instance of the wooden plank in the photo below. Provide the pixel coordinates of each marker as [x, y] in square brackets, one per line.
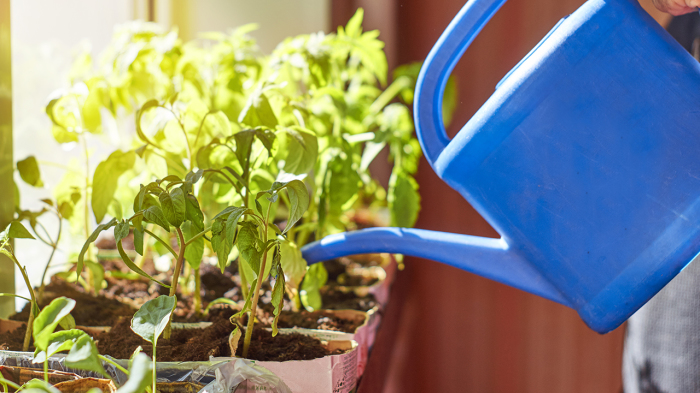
[7, 186]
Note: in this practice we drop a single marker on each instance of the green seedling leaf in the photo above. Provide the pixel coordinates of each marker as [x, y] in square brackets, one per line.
[292, 263]
[106, 179]
[137, 351]
[15, 231]
[247, 246]
[138, 240]
[299, 201]
[152, 318]
[299, 150]
[98, 273]
[194, 250]
[38, 386]
[174, 206]
[92, 239]
[29, 171]
[140, 202]
[221, 247]
[121, 231]
[404, 200]
[67, 322]
[193, 212]
[58, 342]
[316, 277]
[84, 356]
[134, 267]
[244, 145]
[155, 215]
[140, 375]
[48, 319]
[277, 301]
[232, 222]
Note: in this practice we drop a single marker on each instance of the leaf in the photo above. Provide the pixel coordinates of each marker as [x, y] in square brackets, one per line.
[195, 250]
[155, 215]
[299, 150]
[315, 278]
[258, 111]
[193, 213]
[232, 222]
[58, 342]
[92, 239]
[404, 200]
[106, 179]
[84, 356]
[48, 319]
[152, 318]
[244, 142]
[293, 264]
[121, 231]
[370, 153]
[67, 323]
[29, 171]
[299, 200]
[15, 231]
[221, 247]
[134, 267]
[138, 240]
[140, 375]
[174, 206]
[247, 241]
[97, 272]
[38, 386]
[277, 301]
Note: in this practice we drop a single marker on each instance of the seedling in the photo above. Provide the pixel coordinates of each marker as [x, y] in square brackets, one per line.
[17, 231]
[151, 320]
[255, 242]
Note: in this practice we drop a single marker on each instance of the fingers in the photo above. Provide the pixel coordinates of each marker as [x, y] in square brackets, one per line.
[677, 7]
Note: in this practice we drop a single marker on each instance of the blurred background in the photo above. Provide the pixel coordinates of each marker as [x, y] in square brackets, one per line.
[452, 331]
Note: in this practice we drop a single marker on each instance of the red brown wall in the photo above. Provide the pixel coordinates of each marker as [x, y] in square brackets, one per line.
[460, 332]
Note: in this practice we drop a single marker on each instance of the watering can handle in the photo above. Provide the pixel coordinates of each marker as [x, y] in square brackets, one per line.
[432, 79]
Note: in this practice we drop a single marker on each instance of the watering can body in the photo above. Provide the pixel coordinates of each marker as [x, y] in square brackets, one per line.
[585, 160]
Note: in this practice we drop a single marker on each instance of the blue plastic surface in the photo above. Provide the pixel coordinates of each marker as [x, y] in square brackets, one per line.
[585, 160]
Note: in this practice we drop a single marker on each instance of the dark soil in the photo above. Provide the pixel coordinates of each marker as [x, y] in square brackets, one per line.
[89, 310]
[334, 299]
[14, 339]
[200, 344]
[321, 320]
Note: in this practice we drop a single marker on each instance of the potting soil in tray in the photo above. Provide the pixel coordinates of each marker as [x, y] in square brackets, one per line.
[201, 344]
[89, 310]
[14, 339]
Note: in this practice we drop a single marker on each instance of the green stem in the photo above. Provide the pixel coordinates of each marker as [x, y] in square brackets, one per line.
[163, 242]
[113, 363]
[402, 82]
[197, 294]
[178, 265]
[46, 369]
[155, 343]
[244, 281]
[197, 236]
[256, 294]
[33, 306]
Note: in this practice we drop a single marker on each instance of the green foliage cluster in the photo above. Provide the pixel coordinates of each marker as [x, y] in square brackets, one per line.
[253, 155]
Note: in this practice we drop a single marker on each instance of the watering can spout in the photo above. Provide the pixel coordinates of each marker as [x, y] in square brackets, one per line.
[487, 257]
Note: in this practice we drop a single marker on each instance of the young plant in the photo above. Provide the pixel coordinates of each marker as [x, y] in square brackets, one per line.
[170, 204]
[46, 340]
[151, 320]
[17, 231]
[255, 239]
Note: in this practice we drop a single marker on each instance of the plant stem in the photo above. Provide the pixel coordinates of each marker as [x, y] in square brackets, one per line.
[34, 305]
[155, 343]
[178, 265]
[197, 236]
[256, 294]
[163, 242]
[54, 246]
[244, 281]
[197, 294]
[113, 363]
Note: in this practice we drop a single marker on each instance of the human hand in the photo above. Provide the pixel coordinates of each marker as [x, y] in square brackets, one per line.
[677, 7]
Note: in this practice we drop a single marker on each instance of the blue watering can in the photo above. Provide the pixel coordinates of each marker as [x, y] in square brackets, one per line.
[586, 159]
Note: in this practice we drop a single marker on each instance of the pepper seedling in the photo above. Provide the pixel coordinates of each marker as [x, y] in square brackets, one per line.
[17, 231]
[151, 320]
